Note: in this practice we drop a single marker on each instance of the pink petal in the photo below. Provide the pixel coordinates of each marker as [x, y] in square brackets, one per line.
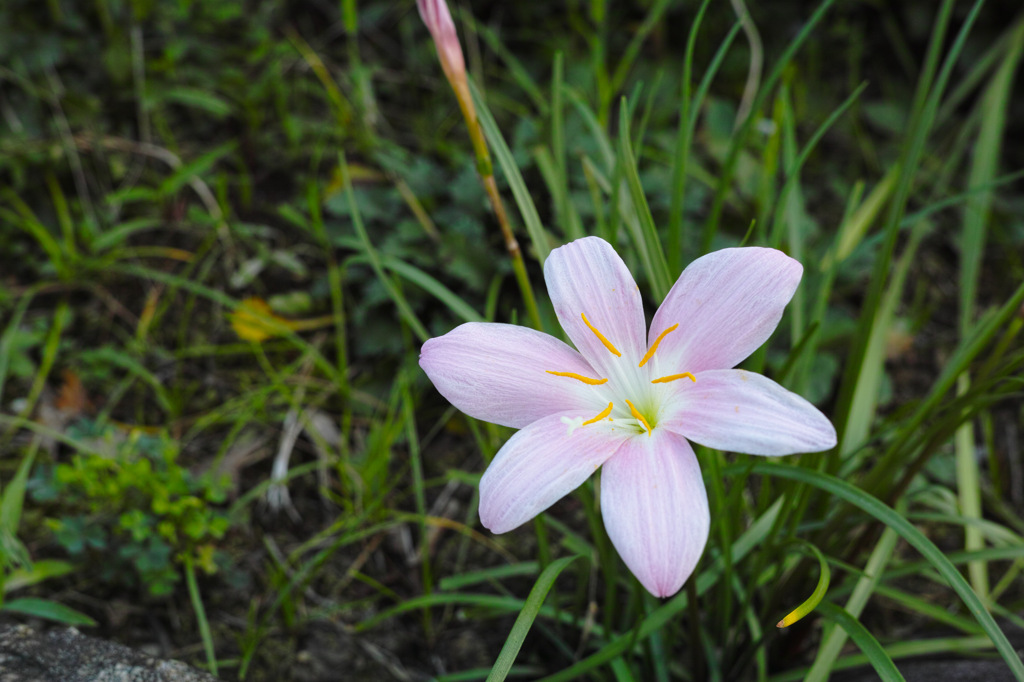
[587, 277]
[655, 509]
[726, 304]
[540, 465]
[739, 411]
[499, 373]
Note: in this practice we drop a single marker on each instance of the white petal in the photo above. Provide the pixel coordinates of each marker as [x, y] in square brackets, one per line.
[542, 464]
[499, 373]
[739, 411]
[587, 277]
[655, 509]
[726, 304]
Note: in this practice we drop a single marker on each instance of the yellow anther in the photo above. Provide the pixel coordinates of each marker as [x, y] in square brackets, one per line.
[654, 346]
[604, 413]
[673, 377]
[601, 337]
[579, 377]
[639, 417]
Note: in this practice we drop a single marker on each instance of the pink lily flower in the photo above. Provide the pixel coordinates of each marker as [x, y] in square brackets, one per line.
[628, 401]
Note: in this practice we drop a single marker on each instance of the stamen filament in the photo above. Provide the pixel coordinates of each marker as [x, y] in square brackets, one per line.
[640, 418]
[579, 377]
[604, 413]
[654, 346]
[601, 337]
[673, 377]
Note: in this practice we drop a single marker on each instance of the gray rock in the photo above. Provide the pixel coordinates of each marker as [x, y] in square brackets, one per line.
[69, 656]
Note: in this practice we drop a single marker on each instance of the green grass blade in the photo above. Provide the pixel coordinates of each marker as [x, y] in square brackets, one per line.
[864, 402]
[824, 578]
[48, 610]
[686, 253]
[993, 104]
[647, 241]
[375, 261]
[793, 171]
[513, 177]
[682, 150]
[526, 617]
[834, 640]
[625, 62]
[926, 100]
[740, 138]
[14, 495]
[200, 611]
[671, 609]
[914, 537]
[865, 641]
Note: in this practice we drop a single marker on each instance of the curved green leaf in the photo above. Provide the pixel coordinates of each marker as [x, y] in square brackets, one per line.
[825, 575]
[48, 610]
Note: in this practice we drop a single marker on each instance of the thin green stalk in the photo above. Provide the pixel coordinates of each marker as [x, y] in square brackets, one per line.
[977, 209]
[926, 100]
[470, 102]
[375, 261]
[682, 150]
[419, 494]
[740, 138]
[200, 611]
[646, 238]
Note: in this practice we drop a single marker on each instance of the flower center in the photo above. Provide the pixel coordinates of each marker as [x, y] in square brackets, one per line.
[645, 419]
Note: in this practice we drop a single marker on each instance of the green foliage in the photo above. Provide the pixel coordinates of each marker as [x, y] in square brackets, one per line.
[161, 162]
[138, 505]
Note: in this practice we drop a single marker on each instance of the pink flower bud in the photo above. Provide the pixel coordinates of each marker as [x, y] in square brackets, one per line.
[439, 22]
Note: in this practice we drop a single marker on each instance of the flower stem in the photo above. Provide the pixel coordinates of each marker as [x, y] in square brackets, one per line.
[485, 168]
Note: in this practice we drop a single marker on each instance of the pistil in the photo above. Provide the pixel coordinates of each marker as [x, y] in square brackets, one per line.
[639, 417]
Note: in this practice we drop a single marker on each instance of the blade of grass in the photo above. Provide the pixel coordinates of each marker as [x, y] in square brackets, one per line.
[200, 611]
[671, 609]
[824, 578]
[740, 138]
[34, 607]
[993, 104]
[396, 297]
[526, 617]
[625, 62]
[865, 641]
[684, 136]
[926, 100]
[646, 239]
[834, 640]
[527, 209]
[913, 536]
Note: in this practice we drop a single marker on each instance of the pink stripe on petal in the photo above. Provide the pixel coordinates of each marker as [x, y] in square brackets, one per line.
[727, 304]
[542, 464]
[655, 509]
[587, 277]
[739, 411]
[498, 373]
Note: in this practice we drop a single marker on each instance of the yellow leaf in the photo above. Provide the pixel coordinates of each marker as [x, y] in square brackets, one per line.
[255, 321]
